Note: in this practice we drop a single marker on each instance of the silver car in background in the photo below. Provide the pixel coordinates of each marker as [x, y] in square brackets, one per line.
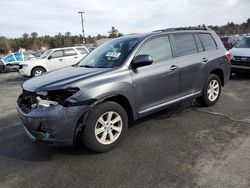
[240, 59]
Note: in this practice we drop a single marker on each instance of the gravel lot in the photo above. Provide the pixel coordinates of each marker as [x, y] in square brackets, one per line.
[185, 146]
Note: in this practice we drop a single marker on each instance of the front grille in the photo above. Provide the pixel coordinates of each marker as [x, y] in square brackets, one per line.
[26, 100]
[242, 58]
[240, 63]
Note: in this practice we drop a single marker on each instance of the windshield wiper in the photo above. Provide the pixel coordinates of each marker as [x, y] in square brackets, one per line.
[86, 66]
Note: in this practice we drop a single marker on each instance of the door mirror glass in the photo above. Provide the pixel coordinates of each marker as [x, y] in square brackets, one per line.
[142, 60]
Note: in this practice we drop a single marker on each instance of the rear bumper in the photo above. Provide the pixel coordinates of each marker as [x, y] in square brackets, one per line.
[53, 125]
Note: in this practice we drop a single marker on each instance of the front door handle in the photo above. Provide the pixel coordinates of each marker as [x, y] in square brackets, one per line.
[76, 57]
[173, 67]
[60, 59]
[205, 60]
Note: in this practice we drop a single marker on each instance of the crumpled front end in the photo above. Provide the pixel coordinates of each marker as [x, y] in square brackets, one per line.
[47, 121]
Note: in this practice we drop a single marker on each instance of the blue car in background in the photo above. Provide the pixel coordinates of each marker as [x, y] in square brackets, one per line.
[11, 61]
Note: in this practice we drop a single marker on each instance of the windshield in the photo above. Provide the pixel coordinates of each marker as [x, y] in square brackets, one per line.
[244, 43]
[111, 54]
[45, 54]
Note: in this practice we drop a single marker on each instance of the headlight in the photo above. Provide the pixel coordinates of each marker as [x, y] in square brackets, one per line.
[24, 65]
[54, 97]
[45, 103]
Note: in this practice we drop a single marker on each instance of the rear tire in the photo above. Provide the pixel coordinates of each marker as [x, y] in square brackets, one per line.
[37, 71]
[211, 91]
[106, 126]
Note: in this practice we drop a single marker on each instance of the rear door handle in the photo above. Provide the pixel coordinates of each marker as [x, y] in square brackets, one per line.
[76, 57]
[60, 59]
[205, 60]
[173, 67]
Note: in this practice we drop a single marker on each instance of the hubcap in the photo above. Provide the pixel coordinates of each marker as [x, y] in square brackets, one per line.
[213, 90]
[38, 72]
[108, 127]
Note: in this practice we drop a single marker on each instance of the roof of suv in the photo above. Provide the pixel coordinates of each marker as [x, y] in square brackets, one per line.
[169, 30]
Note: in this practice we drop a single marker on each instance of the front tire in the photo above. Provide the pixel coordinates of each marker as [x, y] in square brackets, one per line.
[106, 126]
[211, 91]
[37, 71]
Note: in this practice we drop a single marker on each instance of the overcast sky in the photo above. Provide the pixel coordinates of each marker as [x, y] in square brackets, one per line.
[128, 16]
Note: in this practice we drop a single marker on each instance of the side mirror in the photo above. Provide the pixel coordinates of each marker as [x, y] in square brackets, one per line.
[141, 60]
[49, 58]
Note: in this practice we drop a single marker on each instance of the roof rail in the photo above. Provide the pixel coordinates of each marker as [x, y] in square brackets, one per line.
[183, 28]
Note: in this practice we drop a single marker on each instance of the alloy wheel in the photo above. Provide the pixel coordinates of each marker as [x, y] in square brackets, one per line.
[108, 128]
[213, 90]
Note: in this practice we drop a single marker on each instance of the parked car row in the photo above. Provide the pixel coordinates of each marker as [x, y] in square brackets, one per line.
[53, 59]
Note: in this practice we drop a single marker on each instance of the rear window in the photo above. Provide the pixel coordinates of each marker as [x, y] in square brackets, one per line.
[198, 43]
[208, 41]
[82, 50]
[185, 44]
[69, 52]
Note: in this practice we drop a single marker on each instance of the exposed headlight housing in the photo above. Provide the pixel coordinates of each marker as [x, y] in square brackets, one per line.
[54, 97]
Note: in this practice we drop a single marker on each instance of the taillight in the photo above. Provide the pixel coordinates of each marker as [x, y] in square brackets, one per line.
[228, 55]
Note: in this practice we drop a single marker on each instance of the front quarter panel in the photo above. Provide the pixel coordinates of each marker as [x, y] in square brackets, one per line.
[117, 82]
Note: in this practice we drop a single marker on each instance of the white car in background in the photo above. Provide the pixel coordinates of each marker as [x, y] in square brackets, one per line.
[53, 59]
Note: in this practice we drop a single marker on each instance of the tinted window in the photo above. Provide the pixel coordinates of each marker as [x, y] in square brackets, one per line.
[198, 43]
[57, 54]
[82, 50]
[185, 44]
[110, 54]
[244, 43]
[69, 52]
[159, 49]
[18, 56]
[208, 41]
[9, 58]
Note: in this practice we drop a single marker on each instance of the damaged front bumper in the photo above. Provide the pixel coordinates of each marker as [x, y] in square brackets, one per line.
[54, 125]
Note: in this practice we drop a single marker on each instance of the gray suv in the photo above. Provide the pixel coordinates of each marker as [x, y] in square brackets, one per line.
[121, 81]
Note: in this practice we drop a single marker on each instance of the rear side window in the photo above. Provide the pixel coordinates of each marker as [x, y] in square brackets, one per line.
[185, 44]
[198, 43]
[69, 52]
[158, 48]
[208, 41]
[82, 50]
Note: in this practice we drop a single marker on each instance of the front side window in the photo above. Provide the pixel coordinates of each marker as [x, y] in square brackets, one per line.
[208, 41]
[244, 43]
[18, 56]
[159, 49]
[111, 54]
[45, 54]
[56, 54]
[185, 44]
[70, 52]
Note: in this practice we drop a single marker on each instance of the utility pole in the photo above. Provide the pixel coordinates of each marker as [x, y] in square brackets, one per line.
[82, 25]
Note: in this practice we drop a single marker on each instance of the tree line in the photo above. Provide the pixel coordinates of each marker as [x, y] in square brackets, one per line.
[34, 42]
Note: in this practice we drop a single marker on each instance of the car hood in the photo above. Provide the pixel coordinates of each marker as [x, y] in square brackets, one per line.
[60, 78]
[240, 52]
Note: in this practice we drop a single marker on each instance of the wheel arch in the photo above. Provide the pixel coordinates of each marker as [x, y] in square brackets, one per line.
[124, 102]
[38, 66]
[220, 74]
